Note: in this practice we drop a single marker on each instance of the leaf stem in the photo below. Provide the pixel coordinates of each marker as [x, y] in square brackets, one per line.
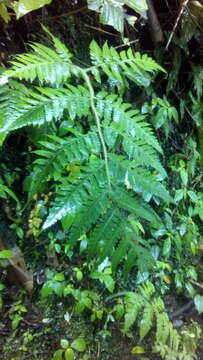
[98, 123]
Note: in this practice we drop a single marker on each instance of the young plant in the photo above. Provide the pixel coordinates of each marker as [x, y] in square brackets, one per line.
[119, 174]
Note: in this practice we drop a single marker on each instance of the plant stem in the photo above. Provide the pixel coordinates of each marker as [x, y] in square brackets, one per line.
[98, 123]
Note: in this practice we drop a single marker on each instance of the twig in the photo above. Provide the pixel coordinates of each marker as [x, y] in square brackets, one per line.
[101, 30]
[127, 44]
[98, 350]
[196, 283]
[73, 12]
[184, 5]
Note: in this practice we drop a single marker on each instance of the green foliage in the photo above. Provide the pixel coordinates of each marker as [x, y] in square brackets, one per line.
[20, 7]
[67, 350]
[112, 12]
[169, 343]
[118, 171]
[16, 313]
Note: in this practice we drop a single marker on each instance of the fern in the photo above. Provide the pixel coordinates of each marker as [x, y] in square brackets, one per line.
[112, 145]
[43, 63]
[169, 342]
[123, 65]
[24, 107]
[57, 153]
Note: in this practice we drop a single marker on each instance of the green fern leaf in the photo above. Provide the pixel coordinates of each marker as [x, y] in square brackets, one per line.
[43, 64]
[56, 155]
[60, 48]
[89, 213]
[143, 154]
[147, 290]
[44, 105]
[125, 120]
[146, 321]
[120, 66]
[119, 253]
[138, 179]
[130, 262]
[134, 304]
[106, 234]
[71, 197]
[129, 202]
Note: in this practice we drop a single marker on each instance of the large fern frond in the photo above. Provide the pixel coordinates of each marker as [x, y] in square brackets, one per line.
[125, 119]
[138, 179]
[43, 63]
[134, 205]
[72, 196]
[89, 213]
[35, 107]
[122, 65]
[57, 153]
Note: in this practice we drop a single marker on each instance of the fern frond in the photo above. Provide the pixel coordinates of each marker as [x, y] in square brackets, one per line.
[60, 48]
[138, 179]
[71, 197]
[106, 234]
[42, 63]
[146, 321]
[125, 120]
[89, 213]
[143, 154]
[134, 304]
[119, 252]
[147, 290]
[35, 107]
[136, 206]
[121, 65]
[57, 153]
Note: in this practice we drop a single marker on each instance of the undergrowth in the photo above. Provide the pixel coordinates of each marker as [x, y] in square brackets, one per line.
[98, 172]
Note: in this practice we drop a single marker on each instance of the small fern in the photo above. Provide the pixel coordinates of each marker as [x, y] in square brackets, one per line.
[114, 148]
[150, 310]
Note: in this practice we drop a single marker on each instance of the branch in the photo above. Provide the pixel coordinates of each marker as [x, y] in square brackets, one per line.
[184, 5]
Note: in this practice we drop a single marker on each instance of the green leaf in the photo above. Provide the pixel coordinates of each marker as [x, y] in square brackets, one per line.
[138, 5]
[109, 282]
[69, 354]
[46, 290]
[172, 112]
[2, 138]
[58, 355]
[184, 176]
[16, 321]
[6, 254]
[137, 350]
[113, 15]
[79, 344]
[59, 277]
[64, 343]
[160, 118]
[147, 319]
[193, 196]
[198, 300]
[179, 195]
[2, 286]
[4, 13]
[23, 7]
[167, 248]
[5, 189]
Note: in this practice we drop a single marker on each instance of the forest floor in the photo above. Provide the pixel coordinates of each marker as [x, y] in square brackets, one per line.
[42, 326]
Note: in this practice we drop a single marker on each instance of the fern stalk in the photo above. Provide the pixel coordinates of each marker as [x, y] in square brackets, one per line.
[98, 123]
